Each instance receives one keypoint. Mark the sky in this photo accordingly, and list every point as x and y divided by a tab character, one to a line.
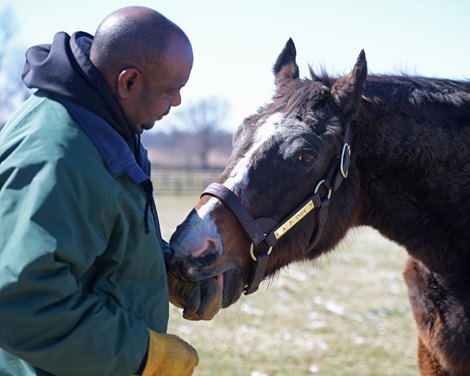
236	43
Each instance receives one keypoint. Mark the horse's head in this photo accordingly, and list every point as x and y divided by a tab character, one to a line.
271	205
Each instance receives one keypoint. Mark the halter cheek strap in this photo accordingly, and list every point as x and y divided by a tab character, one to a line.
261	230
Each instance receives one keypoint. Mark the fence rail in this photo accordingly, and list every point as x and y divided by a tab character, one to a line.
182	181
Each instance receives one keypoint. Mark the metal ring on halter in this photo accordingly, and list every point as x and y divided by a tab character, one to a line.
252	253
346	147
318	187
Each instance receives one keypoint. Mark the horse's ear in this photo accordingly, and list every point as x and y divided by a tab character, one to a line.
285	68
347	91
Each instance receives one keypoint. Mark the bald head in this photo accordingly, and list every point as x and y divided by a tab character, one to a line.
146	60
132	36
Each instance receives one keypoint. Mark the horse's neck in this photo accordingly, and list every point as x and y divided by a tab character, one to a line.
415	179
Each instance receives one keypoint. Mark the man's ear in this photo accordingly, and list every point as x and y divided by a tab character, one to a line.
127	81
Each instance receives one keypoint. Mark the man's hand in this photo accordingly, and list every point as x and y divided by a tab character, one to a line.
169	355
200	300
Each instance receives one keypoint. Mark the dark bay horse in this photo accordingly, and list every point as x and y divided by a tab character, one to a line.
327	154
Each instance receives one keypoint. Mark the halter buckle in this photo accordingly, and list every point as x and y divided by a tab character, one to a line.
345	160
319	184
252	253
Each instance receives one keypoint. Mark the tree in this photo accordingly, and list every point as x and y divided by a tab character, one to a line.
12	90
204	120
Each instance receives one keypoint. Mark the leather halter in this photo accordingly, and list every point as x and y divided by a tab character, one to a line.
267	231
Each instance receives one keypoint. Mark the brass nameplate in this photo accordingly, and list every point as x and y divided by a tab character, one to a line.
287	225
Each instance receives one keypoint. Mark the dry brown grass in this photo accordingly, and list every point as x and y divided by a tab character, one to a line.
346	315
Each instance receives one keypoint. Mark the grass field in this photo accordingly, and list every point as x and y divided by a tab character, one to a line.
346	315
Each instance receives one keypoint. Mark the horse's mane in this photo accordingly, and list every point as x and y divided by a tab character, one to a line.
406	90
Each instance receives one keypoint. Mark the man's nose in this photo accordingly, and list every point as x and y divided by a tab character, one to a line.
176	100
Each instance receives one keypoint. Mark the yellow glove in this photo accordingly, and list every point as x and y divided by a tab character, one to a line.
169	355
200	300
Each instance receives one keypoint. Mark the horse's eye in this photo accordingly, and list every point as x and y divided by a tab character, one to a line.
306	158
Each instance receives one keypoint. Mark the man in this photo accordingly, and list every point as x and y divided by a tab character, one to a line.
83	284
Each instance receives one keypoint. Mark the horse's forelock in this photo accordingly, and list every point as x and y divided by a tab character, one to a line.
323	77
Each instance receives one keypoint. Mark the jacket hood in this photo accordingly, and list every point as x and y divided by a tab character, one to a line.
64	69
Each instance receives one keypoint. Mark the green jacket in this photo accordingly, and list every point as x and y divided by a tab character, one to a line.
80	278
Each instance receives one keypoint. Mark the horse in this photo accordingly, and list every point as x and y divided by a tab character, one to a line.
328	154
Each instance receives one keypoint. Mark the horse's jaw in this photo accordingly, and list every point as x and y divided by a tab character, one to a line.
229	278
198	253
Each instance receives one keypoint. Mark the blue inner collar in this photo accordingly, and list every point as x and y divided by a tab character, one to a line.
116	152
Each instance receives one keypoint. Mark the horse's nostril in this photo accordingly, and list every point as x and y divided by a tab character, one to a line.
207	246
212	245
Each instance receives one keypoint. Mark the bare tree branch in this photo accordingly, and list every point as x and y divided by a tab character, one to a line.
12	90
204	119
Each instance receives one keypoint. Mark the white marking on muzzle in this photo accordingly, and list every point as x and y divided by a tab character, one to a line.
194	234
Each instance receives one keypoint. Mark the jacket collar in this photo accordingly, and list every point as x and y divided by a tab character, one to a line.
115	151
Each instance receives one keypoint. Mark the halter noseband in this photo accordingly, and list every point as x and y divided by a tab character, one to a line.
268	231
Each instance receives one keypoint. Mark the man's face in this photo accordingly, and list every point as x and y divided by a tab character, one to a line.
159	87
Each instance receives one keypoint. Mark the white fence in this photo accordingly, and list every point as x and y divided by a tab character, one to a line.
182	181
